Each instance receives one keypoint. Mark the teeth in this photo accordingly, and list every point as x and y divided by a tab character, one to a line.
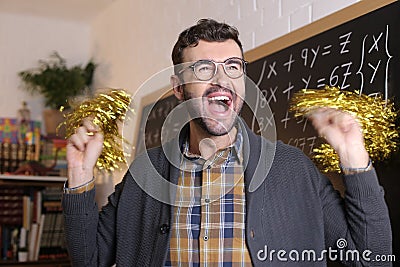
219	98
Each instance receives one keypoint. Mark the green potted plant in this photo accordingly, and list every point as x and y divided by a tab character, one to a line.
58	84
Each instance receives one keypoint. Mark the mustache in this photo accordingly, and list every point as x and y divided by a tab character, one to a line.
218	88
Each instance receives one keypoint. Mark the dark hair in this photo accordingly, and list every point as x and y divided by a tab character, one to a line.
206	30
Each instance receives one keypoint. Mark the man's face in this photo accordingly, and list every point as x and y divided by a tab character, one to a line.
216	103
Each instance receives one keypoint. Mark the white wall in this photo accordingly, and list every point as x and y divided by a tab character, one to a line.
26	39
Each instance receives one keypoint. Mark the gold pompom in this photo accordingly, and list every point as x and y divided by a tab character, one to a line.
107	110
376	116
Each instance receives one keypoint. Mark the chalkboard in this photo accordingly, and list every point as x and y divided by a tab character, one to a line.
153	114
362	54
355	49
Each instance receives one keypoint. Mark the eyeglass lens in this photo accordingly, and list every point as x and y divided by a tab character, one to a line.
206	69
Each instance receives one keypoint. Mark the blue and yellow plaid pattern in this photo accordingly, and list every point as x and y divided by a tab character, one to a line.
209	217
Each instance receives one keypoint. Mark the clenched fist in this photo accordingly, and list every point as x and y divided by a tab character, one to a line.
83	149
342	131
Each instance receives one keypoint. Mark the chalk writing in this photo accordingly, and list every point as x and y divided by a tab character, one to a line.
303	143
327	50
265	122
305	56
272	69
289	63
344	44
366	58
352	57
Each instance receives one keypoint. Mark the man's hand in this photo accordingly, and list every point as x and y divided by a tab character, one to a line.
83	149
342	131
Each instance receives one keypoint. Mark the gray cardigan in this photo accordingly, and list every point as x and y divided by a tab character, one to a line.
293	208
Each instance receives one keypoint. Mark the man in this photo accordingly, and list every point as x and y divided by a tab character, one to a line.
213	219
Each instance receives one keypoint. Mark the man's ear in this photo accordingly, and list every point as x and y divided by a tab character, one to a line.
177	86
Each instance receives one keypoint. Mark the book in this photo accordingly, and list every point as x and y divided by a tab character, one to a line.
22	238
27	213
39	237
5	240
5	157
54	154
31	220
13	160
9	241
18	143
32	241
53	237
37	205
11	205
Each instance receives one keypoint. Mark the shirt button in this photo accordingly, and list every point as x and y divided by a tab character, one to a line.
164	229
205	238
207	200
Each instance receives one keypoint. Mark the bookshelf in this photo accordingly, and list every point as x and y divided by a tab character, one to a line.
32	203
26	180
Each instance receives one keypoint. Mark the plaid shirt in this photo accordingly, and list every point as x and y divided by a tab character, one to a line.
209	217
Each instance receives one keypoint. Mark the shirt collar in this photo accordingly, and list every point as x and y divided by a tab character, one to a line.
235	149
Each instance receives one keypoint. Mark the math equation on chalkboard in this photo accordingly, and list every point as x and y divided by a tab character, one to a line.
360	55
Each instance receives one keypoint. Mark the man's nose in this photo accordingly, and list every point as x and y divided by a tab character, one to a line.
221	77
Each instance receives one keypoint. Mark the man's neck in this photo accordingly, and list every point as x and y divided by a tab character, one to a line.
205	144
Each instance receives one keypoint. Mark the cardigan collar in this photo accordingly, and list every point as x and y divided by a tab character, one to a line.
258	155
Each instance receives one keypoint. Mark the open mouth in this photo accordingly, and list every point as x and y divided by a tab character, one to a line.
219	102
222	100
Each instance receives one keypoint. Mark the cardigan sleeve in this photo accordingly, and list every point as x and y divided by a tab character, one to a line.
90	234
359	224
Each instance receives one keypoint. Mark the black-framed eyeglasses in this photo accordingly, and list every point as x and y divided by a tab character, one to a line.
206	69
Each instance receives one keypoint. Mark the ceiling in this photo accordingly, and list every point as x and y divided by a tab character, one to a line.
78	10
